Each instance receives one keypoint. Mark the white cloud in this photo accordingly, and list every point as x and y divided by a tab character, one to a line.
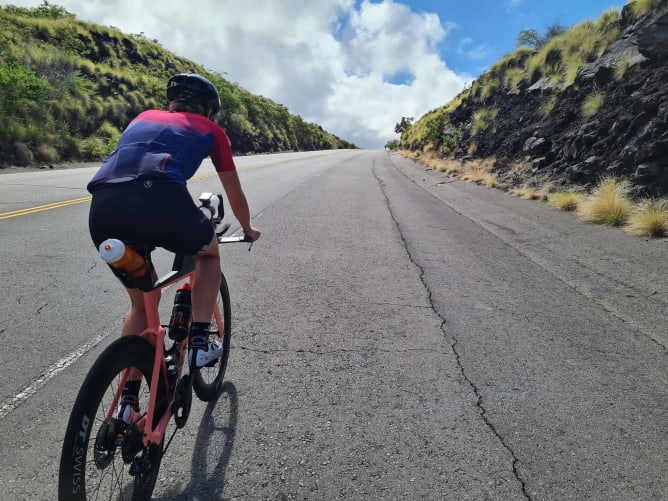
330	61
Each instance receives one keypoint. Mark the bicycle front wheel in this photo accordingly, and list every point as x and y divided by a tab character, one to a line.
102	457
207	380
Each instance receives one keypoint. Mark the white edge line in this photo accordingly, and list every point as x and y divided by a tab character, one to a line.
12	403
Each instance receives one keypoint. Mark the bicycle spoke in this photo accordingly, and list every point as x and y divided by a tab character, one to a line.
107	447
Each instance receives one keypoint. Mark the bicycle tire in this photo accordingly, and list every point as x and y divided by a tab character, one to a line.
207	380
89	470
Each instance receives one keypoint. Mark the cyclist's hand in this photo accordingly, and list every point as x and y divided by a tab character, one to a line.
252	235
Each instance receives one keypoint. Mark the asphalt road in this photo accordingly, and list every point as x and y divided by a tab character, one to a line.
397	335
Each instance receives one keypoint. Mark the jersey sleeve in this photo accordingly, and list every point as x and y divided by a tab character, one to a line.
221	151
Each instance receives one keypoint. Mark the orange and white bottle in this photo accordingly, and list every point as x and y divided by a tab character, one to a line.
123	257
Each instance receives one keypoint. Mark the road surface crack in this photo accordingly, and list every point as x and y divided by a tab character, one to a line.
331	352
453	344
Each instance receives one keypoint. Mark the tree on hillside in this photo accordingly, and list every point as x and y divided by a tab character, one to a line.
530	38
534	40
405	124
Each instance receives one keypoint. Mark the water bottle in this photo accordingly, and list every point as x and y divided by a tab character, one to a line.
180	321
123	257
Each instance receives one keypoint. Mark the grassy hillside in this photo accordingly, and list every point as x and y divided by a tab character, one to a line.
68	87
557	61
583	112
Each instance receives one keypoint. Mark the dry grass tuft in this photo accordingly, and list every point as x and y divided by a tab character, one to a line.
450	167
480	172
565	200
609	203
528	193
411	155
442	164
649	218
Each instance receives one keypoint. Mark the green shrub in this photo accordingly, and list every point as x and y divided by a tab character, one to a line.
19	84
481	119
489	88
46	153
94	148
451	140
548	106
513	77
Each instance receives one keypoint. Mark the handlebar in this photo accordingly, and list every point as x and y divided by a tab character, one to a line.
212	207
232	240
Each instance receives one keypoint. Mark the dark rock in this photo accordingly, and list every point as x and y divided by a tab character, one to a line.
653	40
623	51
651	170
544	84
536	146
539	163
651	178
579	173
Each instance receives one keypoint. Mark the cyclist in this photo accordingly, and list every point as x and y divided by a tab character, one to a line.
139	193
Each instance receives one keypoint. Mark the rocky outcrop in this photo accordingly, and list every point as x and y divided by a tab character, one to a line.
626	137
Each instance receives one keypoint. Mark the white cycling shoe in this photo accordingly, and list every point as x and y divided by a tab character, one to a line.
199	357
128	412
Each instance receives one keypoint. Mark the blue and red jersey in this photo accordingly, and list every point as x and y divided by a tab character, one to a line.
167	145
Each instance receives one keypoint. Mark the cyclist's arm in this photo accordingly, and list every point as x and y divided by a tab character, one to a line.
238	203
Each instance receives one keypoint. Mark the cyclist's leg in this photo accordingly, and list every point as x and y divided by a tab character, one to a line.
135	319
135	322
207	282
203	350
207	380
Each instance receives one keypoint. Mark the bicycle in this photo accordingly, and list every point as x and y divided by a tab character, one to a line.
96	468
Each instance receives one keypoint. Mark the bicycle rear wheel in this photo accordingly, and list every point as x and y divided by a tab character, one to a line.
207	380
104	458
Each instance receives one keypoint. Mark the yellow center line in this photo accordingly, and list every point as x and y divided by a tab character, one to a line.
65	203
42	208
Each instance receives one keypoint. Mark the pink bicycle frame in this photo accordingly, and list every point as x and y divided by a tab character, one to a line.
155	334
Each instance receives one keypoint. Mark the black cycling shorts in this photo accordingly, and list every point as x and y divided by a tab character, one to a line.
158	213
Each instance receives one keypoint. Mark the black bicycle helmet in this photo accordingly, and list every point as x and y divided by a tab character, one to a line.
190	87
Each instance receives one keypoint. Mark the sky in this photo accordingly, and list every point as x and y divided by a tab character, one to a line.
355	67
